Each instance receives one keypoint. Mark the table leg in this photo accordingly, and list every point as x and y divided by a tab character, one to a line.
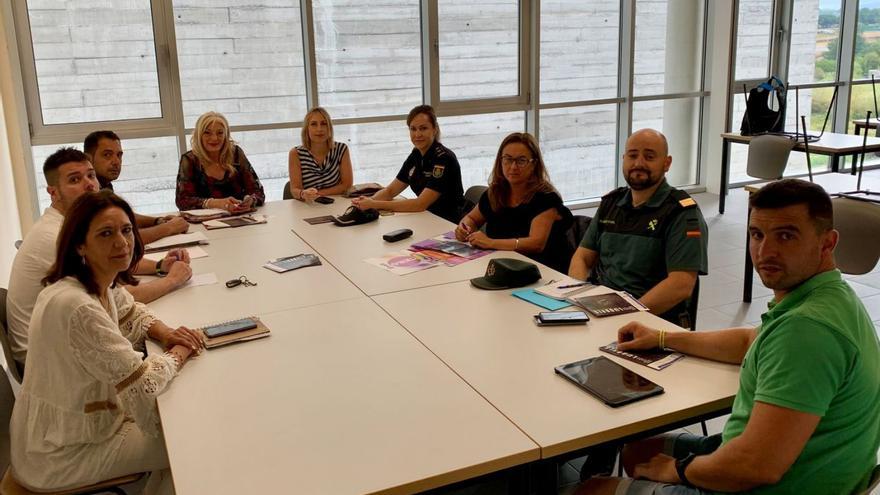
835	163
749	269
725	173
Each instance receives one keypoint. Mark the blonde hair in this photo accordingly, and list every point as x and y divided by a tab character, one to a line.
227	151
539	181
306	140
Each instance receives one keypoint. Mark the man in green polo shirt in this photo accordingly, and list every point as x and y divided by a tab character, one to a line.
648	239
806	418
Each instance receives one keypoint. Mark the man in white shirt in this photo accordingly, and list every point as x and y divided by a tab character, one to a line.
69	175
104	149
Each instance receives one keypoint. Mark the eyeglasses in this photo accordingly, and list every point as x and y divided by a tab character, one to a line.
520	162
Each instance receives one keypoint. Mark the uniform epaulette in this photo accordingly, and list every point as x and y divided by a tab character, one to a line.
683	198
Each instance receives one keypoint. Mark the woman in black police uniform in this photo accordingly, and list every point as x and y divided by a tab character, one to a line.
431	170
521	210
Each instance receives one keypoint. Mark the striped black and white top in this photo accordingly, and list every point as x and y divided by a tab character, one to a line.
321	176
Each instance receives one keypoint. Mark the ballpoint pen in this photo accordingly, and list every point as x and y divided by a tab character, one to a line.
572	286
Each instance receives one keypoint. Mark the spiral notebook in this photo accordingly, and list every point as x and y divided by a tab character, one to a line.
258	332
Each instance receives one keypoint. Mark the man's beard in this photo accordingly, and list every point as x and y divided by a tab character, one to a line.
641	184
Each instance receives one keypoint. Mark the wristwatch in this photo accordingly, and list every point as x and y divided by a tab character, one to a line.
681	466
159	271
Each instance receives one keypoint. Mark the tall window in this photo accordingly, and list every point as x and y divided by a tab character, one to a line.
479	62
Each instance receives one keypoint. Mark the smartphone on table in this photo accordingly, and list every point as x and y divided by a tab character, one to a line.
551	318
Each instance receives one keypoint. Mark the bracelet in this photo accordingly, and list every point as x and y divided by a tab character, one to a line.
662	344
516	246
205	203
301	193
159	271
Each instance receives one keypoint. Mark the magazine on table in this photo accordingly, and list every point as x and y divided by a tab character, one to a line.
608	304
657	359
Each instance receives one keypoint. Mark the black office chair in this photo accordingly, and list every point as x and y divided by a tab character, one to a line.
579	226
286	194
472	198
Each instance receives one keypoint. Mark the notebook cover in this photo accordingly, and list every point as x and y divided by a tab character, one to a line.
657	359
240	221
319	220
609	304
259	332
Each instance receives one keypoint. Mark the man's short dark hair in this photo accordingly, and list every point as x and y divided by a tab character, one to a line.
790	192
59	158
90	145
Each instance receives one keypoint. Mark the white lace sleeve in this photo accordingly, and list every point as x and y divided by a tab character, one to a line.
134	318
109	357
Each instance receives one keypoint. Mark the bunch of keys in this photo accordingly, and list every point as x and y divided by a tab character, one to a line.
242	280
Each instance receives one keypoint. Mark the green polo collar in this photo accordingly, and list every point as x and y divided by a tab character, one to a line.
656	200
795	297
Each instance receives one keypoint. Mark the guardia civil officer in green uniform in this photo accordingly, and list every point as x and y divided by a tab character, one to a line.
648	239
431	171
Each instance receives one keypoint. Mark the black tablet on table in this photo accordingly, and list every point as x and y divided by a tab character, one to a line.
608	381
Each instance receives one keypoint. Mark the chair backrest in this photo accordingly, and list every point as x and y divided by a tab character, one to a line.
473	193
693	305
768	156
13	365
859	225
875	481
579	226
286	194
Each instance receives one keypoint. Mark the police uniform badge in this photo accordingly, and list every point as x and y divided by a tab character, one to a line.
438	171
686	202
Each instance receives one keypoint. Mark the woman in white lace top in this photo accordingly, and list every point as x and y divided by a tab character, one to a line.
87	407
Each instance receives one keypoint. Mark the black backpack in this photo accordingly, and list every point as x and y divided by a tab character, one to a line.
759	117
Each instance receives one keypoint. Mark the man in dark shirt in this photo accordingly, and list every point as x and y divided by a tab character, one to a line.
104	149
649	238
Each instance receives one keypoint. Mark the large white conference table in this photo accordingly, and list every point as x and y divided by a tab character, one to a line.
490	340
340	399
374	382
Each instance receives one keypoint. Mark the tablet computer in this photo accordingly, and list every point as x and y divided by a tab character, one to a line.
608	381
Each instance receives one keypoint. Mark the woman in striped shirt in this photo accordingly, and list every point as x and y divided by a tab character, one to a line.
321	166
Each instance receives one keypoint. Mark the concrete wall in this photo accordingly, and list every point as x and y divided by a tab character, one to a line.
245	60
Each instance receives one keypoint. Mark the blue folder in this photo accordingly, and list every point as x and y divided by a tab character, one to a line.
540	300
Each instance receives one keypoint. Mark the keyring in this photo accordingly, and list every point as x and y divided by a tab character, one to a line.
242	280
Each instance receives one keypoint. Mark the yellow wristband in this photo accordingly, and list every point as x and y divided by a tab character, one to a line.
662	339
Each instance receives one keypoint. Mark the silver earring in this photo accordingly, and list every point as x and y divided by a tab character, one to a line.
83	258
